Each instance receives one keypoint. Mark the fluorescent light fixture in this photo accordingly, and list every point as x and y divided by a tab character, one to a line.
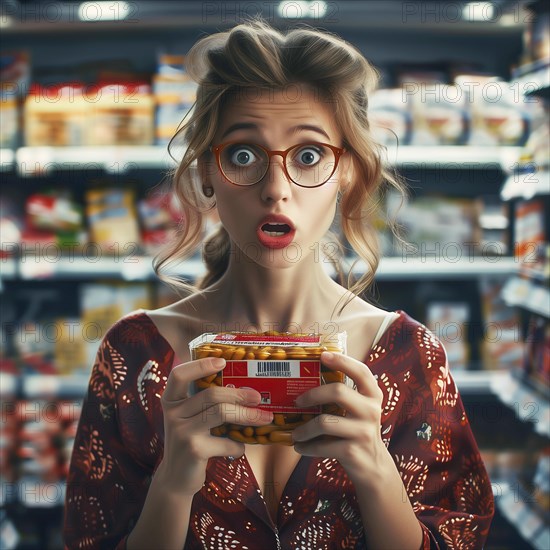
478	11
510	20
302	9
103	11
6	21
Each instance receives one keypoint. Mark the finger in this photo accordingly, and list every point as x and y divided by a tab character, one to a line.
212	445
332	425
226	447
359	372
354	403
327	448
213	395
182	375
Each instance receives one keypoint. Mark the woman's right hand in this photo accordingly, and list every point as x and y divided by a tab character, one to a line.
188	419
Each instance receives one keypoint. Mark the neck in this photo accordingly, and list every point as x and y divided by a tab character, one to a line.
296	297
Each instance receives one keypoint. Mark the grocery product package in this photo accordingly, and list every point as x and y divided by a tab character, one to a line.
280	366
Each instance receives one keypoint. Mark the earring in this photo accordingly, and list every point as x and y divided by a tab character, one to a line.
208	191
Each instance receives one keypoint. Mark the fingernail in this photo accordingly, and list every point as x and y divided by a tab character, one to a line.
327	356
267	416
250	396
218	362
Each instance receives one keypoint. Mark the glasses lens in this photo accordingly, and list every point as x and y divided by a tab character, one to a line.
243	163
310	165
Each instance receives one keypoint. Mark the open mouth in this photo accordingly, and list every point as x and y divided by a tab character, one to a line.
276	229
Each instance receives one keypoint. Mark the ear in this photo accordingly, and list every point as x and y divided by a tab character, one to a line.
206	165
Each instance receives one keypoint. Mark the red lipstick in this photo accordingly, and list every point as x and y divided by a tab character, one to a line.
275	231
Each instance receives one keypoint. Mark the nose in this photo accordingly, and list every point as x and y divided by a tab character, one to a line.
275	185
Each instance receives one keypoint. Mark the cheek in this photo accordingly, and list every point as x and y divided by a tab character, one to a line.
232	209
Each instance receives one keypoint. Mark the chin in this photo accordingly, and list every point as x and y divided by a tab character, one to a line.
272	258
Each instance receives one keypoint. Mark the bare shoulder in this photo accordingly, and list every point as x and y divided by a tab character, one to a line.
182	321
362	322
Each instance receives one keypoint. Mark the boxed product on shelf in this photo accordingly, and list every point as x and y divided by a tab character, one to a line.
440	115
56	115
537	146
102	305
502	344
536	365
529	229
174	93
494	224
44	430
8	435
15	71
53	217
54	210
14	84
112	220
11	225
449	322
542	479
537	32
34	345
498	117
69	348
409	75
159	216
438	228
9	114
123	114
390	116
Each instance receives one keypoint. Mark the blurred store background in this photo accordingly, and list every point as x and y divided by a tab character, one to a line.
91	92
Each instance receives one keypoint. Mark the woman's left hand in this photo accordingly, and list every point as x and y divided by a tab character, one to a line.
354	440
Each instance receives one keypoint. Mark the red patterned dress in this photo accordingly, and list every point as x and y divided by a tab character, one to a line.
120	442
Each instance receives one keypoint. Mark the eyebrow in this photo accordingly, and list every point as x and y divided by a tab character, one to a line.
293	130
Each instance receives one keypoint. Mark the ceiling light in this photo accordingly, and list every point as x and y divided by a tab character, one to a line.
478	11
103	11
302	9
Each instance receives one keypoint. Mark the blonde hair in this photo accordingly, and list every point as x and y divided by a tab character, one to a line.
255	55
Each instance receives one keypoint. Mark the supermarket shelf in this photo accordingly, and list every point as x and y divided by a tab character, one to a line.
478	382
517	506
139	268
526	186
46	385
403	268
453	157
8	268
7	157
533	79
8	384
529	406
32	493
528	295
35	161
43	385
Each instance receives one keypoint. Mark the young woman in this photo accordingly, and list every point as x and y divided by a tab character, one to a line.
279	142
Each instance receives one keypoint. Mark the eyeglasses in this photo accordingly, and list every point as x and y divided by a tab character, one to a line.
309	164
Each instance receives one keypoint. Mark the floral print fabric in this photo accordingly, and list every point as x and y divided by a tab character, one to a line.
119	443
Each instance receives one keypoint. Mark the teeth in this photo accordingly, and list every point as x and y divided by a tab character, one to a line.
274	233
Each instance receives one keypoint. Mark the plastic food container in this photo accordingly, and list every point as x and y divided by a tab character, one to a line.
280	366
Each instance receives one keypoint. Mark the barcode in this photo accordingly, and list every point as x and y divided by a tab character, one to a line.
274	368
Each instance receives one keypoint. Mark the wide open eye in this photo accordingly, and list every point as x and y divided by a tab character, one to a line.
308	155
242	156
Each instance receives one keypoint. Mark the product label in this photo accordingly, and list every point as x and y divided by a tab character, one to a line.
263	340
278	382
